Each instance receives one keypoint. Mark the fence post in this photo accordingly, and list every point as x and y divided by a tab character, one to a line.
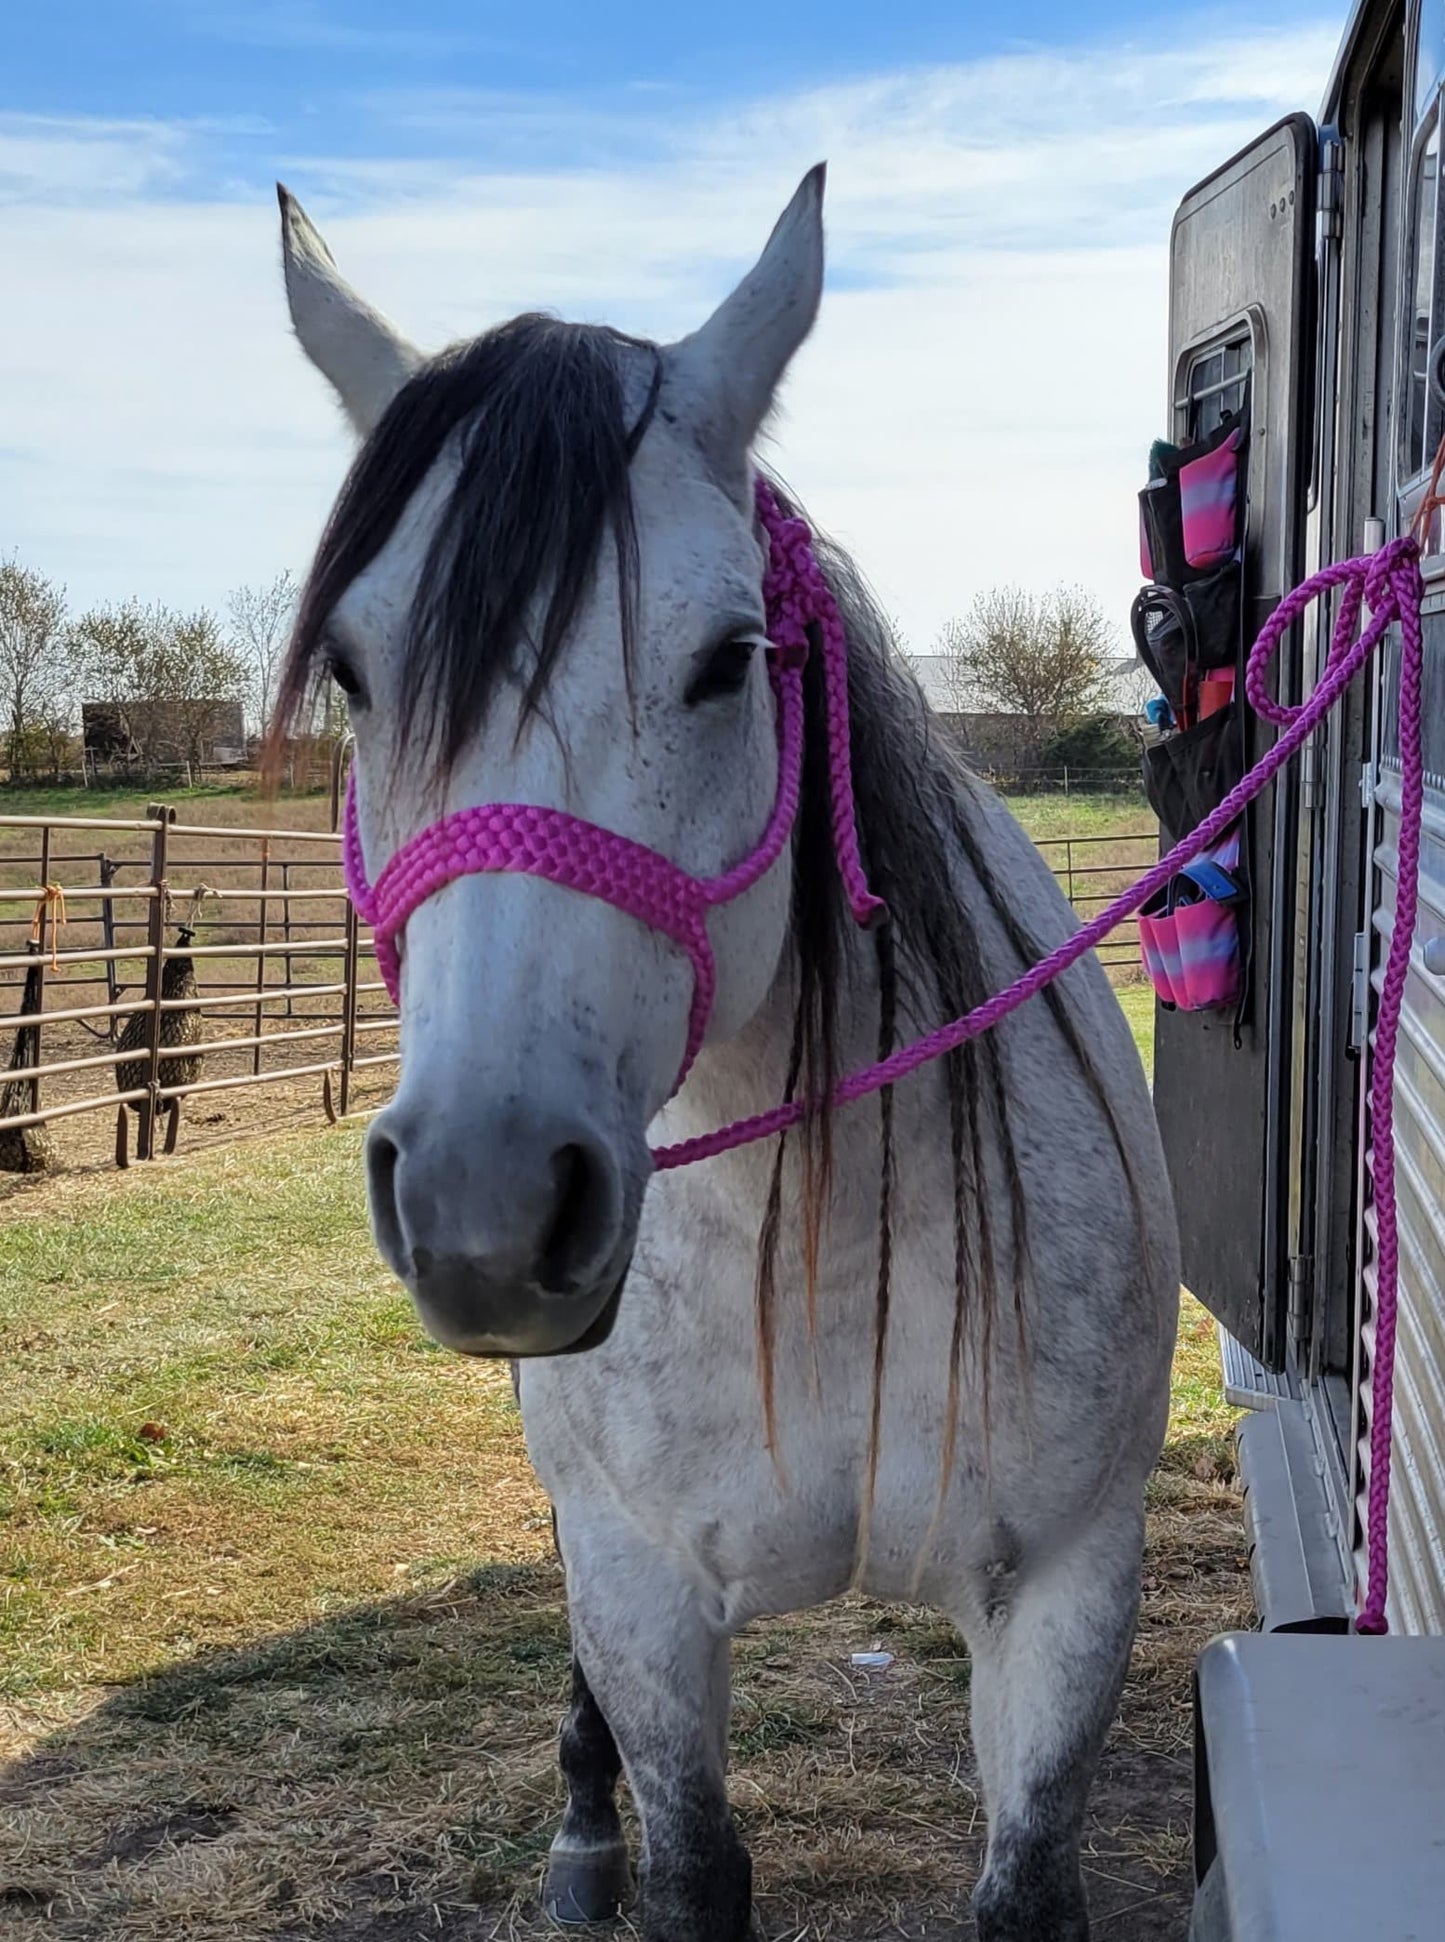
261	954
286	933
145	1134
108	869
47	923
348	1003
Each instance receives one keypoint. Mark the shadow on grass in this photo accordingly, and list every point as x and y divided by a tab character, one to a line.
386	1771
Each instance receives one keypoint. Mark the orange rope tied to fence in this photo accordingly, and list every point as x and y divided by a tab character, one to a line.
49	917
1433	501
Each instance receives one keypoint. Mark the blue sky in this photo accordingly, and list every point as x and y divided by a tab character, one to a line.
999	210
298	66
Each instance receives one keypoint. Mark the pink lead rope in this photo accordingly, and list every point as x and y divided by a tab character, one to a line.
582	856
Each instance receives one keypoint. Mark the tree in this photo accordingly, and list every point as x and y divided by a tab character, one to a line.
34	665
202	668
160	674
1041	657
261	619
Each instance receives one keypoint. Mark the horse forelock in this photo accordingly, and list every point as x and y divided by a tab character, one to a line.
539	421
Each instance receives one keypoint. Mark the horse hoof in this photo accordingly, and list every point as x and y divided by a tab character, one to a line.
586	1885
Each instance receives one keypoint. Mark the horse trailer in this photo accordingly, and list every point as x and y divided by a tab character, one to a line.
1307	311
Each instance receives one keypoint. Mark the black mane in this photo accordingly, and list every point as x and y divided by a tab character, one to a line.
536	413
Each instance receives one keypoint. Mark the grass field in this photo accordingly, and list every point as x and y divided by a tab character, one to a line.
241	801
282	1640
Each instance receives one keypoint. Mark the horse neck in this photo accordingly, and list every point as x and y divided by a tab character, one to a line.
749	1073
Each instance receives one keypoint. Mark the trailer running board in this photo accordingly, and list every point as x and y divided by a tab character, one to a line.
1296	1560
1247	1383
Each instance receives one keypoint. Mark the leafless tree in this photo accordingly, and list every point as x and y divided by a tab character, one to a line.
34	666
1041	657
261	619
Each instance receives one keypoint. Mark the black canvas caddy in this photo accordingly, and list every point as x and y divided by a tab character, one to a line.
1187	625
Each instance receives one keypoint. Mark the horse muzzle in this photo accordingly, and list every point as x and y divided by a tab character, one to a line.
513	1233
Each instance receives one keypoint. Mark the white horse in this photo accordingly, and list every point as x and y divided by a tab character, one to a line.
920	1345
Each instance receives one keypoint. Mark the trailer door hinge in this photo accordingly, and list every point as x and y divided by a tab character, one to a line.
1309	774
1301	1302
1330	190
1360	993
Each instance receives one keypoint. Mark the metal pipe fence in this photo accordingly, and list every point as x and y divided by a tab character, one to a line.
94	978
280	961
1092	879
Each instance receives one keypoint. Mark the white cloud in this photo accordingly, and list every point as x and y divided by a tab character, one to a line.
975	406
54	159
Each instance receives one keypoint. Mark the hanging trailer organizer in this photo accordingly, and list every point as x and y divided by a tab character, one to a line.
1188	627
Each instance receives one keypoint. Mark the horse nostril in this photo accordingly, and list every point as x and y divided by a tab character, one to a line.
583	1217
382	1156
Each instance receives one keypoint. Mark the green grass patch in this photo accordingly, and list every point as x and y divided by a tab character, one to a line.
1104	814
1136	1000
219	1418
127	803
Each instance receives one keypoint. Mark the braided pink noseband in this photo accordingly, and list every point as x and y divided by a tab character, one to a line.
520	837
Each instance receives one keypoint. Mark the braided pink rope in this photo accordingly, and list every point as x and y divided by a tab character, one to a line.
795	594
1390	582
548	843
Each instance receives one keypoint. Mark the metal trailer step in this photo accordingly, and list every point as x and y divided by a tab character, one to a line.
1247	1384
1295	1560
1320	1790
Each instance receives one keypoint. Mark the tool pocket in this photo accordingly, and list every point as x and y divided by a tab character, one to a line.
1190	936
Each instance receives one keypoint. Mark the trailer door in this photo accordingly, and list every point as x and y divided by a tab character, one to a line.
1241	333
1417	1498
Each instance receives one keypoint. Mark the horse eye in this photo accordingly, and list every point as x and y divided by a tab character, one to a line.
345	677
724	672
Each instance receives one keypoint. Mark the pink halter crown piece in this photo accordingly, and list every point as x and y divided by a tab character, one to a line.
549	843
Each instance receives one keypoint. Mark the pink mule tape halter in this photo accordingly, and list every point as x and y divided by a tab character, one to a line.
646	885
500	836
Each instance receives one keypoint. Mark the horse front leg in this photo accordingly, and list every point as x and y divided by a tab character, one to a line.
1050	1646
658	1665
588	1879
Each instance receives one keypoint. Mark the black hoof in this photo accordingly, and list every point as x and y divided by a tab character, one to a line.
587	1884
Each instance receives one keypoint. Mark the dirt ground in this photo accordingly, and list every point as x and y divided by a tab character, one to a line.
408	1748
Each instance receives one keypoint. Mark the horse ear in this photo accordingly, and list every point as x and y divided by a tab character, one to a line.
352	345
731	368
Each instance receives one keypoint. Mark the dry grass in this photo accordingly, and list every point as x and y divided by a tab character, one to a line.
283	1646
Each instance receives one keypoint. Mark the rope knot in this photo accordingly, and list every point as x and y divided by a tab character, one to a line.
48	920
1392	575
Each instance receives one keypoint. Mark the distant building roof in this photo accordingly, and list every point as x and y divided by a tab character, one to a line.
934	672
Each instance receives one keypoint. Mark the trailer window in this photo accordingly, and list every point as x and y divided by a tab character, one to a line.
1218	385
1429	52
1423	415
